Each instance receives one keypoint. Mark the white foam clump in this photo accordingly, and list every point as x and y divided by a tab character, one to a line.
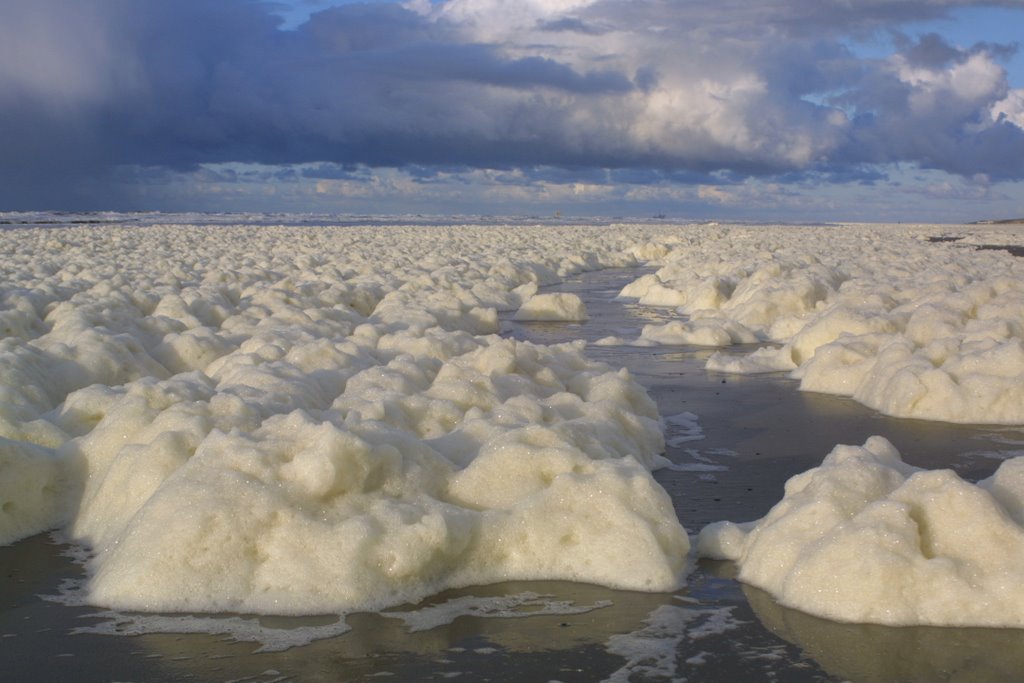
420	480
877	313
553	306
698	332
31	489
865	537
316	420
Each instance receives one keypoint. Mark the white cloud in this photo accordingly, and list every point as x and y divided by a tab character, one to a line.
500	19
1011	108
976	81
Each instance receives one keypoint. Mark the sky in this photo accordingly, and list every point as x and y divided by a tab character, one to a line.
765	110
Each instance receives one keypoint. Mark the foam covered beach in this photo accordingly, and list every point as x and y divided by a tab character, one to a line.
297	420
320	419
903	320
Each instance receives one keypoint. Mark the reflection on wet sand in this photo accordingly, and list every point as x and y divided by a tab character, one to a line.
387	643
867	653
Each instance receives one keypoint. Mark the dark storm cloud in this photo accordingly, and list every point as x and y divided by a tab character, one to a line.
573	25
331	172
481	64
929	51
651	87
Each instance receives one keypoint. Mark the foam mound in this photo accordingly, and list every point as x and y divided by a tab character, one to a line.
269	419
867	538
906	326
554	306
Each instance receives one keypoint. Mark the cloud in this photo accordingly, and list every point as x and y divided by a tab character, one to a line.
939	111
592	87
1010	109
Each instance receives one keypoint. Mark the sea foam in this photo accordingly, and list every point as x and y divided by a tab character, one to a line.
866	538
908	327
317	420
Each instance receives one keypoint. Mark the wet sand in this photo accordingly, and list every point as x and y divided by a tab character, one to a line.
755	432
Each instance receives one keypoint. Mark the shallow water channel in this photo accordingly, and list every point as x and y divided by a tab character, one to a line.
733	441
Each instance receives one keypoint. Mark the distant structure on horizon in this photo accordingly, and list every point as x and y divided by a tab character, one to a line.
1004	221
